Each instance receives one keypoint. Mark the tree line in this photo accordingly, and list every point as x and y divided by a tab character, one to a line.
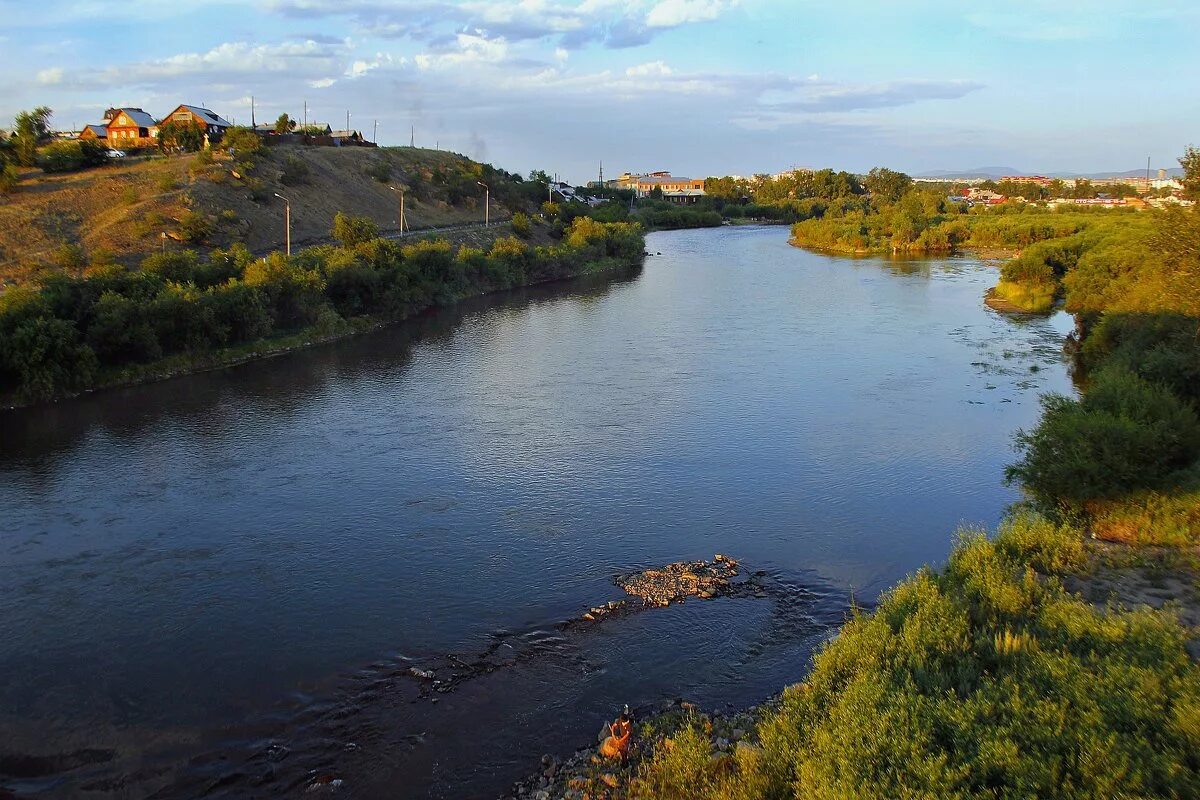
70	333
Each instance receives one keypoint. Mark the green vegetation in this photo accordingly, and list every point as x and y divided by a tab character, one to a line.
983	679
71	155
180	137
71	333
31	130
988	678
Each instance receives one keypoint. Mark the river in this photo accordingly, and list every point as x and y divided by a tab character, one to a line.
219	583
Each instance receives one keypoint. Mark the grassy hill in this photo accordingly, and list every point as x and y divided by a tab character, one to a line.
121	211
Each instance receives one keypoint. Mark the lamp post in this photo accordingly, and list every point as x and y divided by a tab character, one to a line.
287	221
401	193
487	203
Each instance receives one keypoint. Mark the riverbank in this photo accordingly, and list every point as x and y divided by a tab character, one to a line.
178	315
1052	661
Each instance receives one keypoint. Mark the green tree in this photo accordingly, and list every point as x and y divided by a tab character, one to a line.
886	185
32	128
1190	161
284	124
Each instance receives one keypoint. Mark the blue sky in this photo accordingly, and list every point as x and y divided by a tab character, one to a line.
694	86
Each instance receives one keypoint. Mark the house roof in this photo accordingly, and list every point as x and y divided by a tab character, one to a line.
344	134
210	117
139	117
661	179
100	130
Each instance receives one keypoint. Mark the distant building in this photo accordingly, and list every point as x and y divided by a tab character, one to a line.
976	196
1037	180
346	137
667	183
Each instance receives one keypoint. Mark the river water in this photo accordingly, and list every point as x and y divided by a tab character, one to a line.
218	584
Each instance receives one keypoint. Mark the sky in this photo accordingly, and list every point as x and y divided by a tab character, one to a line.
697	87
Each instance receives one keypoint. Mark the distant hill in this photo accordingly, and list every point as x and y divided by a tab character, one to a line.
999	172
977	172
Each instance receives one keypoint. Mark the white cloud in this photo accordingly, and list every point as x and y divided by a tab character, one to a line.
50	77
322	83
650	68
469	48
673	13
361	67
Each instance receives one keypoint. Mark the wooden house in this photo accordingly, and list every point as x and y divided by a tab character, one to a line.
94	132
213	125
130	127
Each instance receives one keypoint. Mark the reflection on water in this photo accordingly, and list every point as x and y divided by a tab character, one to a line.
216	583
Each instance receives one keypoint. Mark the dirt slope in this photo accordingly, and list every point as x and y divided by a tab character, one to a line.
125	208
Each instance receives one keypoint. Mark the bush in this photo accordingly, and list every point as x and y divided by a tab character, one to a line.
54	337
243	143
979	680
295	170
9	178
71	155
1126	434
43	358
350	230
70	258
195	227
381	171
521	225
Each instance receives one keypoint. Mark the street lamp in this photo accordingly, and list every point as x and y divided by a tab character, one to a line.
401	193
287	221
487	203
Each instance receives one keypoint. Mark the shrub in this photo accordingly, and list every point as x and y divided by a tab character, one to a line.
130	195
680	768
195	227
177	267
62	157
1125	434
521	225
381	171
295	170
9	178
350	230
979	680
70	258
166	182
243	143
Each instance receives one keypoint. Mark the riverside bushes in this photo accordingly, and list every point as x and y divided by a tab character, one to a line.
982	679
69	333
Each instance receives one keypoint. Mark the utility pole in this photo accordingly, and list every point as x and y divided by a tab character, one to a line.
306	118
375	135
487	203
401	193
252	123
287	221
347	122
412	136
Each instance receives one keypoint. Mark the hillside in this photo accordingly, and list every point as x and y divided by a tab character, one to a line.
121	211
